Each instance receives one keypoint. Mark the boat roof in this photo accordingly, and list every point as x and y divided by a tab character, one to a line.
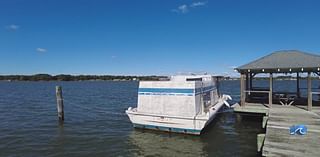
191	78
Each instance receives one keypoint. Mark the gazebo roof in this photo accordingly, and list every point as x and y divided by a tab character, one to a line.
284	61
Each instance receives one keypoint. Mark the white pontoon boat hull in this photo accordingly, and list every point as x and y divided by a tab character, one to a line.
178	124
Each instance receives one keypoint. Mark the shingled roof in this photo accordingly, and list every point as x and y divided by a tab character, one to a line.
283	61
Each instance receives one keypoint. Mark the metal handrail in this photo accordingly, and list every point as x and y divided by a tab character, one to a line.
315	92
252	91
307	88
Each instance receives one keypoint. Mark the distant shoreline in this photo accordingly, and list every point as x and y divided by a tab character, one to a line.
63	77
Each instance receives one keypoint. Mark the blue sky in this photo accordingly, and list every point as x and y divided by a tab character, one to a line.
144	37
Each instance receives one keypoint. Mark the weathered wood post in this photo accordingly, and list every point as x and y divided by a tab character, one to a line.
309	92
270	89
247	85
60	103
251	77
247	81
298	85
242	90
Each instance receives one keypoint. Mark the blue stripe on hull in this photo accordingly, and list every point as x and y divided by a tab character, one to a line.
174	91
166	90
171	94
168	129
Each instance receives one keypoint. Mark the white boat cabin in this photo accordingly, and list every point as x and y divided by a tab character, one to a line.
185	96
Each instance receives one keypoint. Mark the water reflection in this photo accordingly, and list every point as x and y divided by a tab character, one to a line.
228	135
96	125
153	143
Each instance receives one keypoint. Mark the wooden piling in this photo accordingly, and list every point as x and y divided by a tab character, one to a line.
59	103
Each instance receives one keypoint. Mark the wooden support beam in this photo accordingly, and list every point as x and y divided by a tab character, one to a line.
251	77
298	85
309	92
247	81
242	90
256	91
270	89
247	85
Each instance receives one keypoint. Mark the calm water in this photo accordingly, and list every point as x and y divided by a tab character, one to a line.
95	124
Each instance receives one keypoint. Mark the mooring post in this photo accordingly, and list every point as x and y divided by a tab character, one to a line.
60	103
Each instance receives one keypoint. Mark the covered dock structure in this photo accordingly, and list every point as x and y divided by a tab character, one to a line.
282	110
279	62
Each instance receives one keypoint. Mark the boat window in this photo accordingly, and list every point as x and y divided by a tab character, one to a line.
206	99
194	79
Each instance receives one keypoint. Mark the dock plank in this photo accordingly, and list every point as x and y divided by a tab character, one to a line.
252	108
279	142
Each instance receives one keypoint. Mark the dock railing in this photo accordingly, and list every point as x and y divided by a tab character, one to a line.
315	93
262	92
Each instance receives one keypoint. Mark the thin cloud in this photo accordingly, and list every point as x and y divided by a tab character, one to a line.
41	50
226	73
12	27
198	4
182	9
232	67
113	57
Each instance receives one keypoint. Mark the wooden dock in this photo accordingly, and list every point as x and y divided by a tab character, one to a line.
278	141
252	108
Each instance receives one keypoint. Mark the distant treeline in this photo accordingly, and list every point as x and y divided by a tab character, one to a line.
47	77
274	77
